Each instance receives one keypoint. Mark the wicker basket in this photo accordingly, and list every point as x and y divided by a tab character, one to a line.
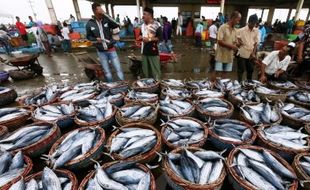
59	173
148	101
164	94
303	84
281	88
205	115
17	122
7	96
21	74
291	121
92	154
3	130
272	97
243	118
150	119
21	100
302	104
150	89
177	183
26	172
189	113
103	123
123	87
89	176
229	145
44	144
236	102
238	182
201	143
287	153
140	158
301	174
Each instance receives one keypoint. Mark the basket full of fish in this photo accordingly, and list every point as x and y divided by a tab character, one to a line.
32	140
286	86
284	140
136	113
115	87
294	115
141	97
174	108
60	113
301	98
172	83
13	168
184	131
49	179
199	84
303	84
253	167
225	134
119	175
96	113
3	130
76	149
138	142
207	93
226	85
194	168
270	95
149	85
14	117
76	95
7	95
115	99
176	94
243	96
301	165
214	108
262	113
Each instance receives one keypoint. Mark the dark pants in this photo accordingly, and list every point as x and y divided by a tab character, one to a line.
6	44
66	45
25	37
303	67
282	77
245	64
198	40
213	41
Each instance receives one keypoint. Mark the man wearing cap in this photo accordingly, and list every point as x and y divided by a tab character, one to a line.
151	34
274	66
248	38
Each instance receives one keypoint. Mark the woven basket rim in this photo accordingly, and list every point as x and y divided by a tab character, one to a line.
212	114
300	84
298	167
21	117
282	88
135	87
192	109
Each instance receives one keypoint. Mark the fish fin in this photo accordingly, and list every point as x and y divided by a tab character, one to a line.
97	164
222	152
109	155
163	122
152	167
160	156
299	130
114	128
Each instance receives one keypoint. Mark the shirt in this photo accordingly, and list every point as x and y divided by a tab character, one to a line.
21	28
273	63
199	28
228	35
249	38
167	31
151	30
65	33
306	40
213	31
180	20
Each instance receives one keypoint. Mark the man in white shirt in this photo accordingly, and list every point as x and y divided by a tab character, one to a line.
180	24
213	33
66	43
274	66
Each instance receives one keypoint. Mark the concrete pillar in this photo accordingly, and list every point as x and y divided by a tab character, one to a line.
308	16
138	10
270	15
146	3
77	10
51	11
112	11
222	6
289	14
106	5
298	8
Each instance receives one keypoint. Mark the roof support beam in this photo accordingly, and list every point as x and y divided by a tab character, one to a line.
77	10
298	8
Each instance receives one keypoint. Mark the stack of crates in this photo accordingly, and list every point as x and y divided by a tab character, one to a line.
79	27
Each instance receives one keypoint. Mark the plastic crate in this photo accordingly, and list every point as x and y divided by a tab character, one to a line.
80	30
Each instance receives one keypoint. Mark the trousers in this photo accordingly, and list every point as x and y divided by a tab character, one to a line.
151	66
110	56
245	64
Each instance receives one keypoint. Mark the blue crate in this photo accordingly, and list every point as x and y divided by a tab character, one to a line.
80	30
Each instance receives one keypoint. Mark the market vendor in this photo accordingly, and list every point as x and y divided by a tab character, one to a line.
274	66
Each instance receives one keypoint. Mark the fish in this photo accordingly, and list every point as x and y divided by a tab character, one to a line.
53	112
7	114
299	96
213	105
78	95
200	84
174	107
246	96
145	82
265	90
173	83
304	162
295	111
110	96
179	94
86	86
47	95
141	96
196	168
137	112
207	93
133	142
115	87
261	113
284	84
227	84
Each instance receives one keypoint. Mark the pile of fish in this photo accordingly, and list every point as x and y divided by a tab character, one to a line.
49	180
116	87
265	90
206	93
182	132
53	112
133	141
262	170
24	137
300	96
200	167
11	166
141	96
305	164
137	112
261	113
110	96
285	136
78	94
200	84
246	96
296	112
120	176
227	84
252	83
216	105
177	93
73	147
47	95
86	86
173	83
174	107
231	130
286	84
7	114
146	82
98	110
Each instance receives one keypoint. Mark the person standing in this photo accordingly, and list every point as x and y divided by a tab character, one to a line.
66	43
100	31
213	33
290	25
44	40
167	32
227	45
198	34
180	24
22	29
221	18
117	19
71	19
248	36
151	35
31	22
